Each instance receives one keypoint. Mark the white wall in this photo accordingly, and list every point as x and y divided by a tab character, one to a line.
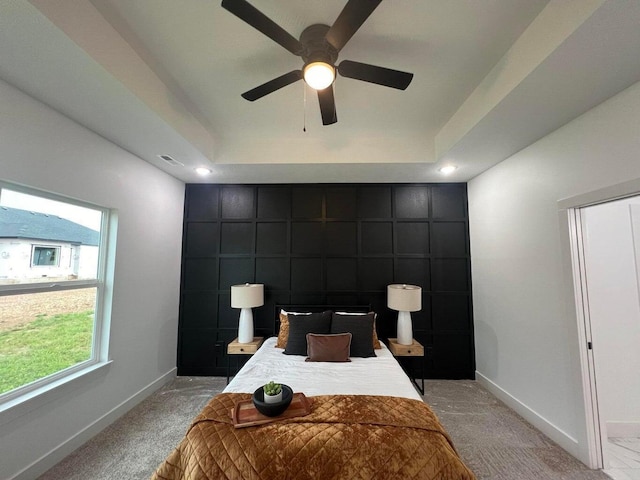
614	310
524	312
43	149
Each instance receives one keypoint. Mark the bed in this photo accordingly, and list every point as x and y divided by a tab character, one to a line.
367	421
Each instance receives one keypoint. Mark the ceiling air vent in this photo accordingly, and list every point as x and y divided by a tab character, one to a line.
171	161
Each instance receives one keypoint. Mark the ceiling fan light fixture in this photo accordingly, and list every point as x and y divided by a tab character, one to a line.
319	75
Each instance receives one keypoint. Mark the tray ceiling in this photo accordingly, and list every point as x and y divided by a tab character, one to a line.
164	77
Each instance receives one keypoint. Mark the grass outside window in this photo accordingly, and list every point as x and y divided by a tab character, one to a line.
44	333
44	346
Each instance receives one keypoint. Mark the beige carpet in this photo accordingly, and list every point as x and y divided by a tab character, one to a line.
492	440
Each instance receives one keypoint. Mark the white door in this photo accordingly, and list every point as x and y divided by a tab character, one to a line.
611	256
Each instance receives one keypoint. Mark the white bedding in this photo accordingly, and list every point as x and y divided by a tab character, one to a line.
380	375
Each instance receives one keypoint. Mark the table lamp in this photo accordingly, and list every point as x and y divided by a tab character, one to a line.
246	297
405	299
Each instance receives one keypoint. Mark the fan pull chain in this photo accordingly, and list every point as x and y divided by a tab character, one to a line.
304	107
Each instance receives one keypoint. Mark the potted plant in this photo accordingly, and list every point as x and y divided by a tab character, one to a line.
272	392
272	399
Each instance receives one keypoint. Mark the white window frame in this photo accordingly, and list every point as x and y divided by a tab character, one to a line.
26	394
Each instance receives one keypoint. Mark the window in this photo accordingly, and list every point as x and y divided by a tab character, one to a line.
45	256
52	257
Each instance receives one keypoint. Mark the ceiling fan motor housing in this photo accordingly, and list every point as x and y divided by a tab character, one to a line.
315	46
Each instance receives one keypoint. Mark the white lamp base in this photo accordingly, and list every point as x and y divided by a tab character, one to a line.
405	333
245	328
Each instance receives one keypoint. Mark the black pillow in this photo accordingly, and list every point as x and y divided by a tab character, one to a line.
300	325
361	329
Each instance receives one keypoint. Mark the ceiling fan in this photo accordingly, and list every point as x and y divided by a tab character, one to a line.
319	46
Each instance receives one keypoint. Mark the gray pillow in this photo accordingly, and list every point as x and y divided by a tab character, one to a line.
300	325
361	329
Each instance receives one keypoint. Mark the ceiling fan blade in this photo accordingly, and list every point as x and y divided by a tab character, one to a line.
353	15
272	85
327	106
373	74
258	20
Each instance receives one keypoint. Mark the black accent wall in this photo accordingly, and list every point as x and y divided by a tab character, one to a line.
326	244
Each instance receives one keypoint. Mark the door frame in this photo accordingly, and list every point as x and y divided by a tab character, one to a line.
594	430
569	210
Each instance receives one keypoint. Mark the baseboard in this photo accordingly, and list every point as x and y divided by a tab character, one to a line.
562	438
623	429
57	454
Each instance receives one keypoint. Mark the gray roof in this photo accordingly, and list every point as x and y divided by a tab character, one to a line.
16	223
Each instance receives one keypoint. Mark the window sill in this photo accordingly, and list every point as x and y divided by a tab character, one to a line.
19	406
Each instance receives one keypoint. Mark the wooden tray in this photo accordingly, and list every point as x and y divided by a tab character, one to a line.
245	414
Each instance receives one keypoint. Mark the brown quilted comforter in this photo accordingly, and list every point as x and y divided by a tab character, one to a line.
347	437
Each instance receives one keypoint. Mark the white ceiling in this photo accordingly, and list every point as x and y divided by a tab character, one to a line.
165	77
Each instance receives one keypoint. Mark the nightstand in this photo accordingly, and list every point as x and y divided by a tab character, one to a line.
414	350
235	348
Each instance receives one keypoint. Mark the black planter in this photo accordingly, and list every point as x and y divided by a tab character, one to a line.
272	409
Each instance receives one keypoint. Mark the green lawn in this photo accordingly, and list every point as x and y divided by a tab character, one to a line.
44	346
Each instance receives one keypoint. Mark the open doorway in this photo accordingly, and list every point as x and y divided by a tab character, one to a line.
607	243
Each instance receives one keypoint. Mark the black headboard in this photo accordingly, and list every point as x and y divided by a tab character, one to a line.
316	308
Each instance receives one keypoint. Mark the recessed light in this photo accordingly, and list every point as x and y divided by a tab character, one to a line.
447	169
202	170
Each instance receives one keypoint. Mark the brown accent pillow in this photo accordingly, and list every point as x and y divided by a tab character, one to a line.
328	348
283	333
376	341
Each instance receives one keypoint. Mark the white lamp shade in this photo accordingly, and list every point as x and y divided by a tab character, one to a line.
404	298
248	295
